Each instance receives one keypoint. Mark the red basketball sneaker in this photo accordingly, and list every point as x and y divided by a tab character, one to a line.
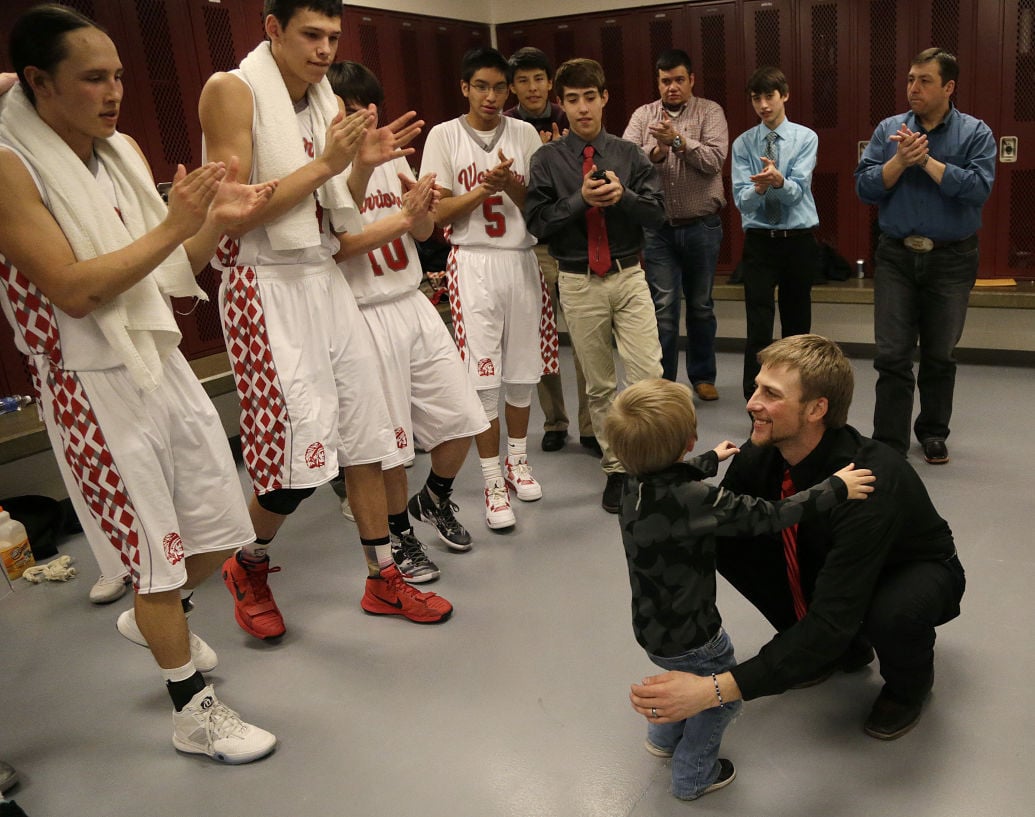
389	595
254	608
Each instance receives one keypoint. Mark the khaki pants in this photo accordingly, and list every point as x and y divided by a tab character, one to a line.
597	310
551	390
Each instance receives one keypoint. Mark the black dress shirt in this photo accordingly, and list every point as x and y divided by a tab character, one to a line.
841	552
556	212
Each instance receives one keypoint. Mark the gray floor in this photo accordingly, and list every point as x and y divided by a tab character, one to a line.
518	705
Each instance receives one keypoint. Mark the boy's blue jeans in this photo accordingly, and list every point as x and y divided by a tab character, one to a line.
694	742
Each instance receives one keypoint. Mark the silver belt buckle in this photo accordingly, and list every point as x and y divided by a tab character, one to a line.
918	243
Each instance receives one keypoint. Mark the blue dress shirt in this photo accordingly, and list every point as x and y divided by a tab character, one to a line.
917	205
796	159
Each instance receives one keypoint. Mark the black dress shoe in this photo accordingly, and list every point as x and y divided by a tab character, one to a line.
858	655
554	440
890	719
592	444
612	499
935	452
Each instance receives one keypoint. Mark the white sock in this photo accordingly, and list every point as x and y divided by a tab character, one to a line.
491	470
180	673
516	447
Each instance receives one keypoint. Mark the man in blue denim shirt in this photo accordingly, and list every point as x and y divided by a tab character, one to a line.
930	171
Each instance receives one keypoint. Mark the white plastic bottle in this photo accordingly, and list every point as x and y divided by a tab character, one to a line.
14	546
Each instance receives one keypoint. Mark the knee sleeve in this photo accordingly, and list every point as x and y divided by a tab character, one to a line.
518	395
490	402
285	500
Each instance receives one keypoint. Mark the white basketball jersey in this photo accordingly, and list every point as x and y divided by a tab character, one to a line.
461	157
394	269
254	248
40	328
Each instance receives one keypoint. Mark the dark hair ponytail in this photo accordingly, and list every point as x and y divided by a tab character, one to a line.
38	39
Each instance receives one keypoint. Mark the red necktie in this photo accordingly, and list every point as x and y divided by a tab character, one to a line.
596	228
790	551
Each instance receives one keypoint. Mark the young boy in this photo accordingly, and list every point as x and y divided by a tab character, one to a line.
669	521
531	81
429	394
501	317
772	188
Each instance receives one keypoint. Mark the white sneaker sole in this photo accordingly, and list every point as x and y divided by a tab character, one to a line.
222	757
499	524
525	493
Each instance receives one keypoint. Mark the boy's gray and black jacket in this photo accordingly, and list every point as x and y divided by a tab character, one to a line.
669	521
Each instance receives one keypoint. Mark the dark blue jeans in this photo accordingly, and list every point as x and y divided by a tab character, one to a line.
918	297
681	261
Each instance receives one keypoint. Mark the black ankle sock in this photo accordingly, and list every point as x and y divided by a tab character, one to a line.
182	691
440	487
186	603
399	523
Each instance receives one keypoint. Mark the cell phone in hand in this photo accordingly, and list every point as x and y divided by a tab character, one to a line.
599	175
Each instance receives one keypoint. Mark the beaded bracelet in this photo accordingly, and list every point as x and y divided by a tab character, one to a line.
718	694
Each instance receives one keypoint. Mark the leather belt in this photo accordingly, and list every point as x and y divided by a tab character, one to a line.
687	222
922	244
778	233
617	265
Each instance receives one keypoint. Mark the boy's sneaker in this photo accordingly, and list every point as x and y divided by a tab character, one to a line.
498	513
389	595
204	657
254	608
412	560
440	514
726	775
519	477
346	509
207	726
657	751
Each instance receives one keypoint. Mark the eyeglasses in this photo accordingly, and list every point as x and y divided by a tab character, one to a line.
484	87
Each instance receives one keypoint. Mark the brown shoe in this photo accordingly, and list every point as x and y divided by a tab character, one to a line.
707	391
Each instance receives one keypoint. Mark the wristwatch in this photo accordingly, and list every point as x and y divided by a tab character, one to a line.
677	143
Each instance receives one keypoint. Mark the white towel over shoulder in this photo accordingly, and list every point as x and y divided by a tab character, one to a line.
138	323
278	150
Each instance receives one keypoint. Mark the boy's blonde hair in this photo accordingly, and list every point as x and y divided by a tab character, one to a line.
651	424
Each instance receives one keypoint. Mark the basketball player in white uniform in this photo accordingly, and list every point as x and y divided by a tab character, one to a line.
429	394
88	255
301	352
496	291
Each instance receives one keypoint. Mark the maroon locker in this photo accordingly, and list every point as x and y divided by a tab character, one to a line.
1008	229
824	68
715	52
769	39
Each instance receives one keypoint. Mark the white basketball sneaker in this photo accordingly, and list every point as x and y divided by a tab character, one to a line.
207	726
519	477
204	657
498	513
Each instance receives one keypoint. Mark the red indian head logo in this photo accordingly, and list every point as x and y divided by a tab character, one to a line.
315	456
485	367
400	437
173	545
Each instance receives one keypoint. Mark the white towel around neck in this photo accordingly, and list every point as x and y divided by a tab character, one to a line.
278	150
138	323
